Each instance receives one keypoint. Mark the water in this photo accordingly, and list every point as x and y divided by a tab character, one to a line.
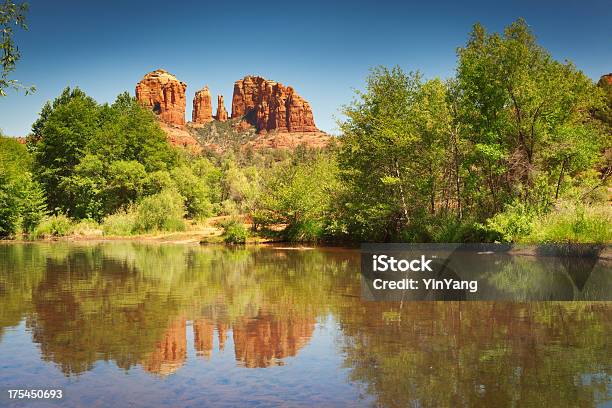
129	324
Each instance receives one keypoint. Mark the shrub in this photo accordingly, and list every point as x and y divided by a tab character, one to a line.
86	227
120	224
228	207
573	224
234	232
53	226
446	228
305	231
510	225
160	212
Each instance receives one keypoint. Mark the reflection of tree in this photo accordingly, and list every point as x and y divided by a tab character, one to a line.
131	304
128	303
480	354
15	285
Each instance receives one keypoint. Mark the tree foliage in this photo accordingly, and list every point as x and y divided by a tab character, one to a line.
12	15
22	203
515	128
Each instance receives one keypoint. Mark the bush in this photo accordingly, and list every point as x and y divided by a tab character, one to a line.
160	212
305	231
234	232
510	225
53	226
86	228
120	224
22	202
573	224
446	228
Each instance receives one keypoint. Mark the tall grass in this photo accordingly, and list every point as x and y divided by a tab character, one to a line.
159	212
53	226
573	224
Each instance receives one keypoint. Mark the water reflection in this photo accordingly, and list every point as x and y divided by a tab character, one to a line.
146	306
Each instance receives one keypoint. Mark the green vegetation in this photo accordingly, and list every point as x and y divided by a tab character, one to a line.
234	232
514	148
573	224
22	203
11	15
53	226
492	149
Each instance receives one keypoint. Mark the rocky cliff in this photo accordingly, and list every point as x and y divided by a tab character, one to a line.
271	106
221	111
161	92
265	115
606	79
202	107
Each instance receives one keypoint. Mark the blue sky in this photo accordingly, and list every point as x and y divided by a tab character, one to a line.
323	49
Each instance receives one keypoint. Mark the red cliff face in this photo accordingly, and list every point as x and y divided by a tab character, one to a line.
161	92
221	111
606	79
271	106
202	107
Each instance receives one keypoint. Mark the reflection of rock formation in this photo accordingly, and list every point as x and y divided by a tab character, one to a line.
171	352
261	341
203	333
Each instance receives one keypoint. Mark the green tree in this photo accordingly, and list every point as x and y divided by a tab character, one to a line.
299	195
11	15
526	115
22	203
95	159
65	127
194	190
392	148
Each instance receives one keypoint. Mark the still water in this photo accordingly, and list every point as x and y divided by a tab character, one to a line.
130	324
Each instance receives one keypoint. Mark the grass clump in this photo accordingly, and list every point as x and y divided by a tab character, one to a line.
573	224
121	223
234	232
159	212
53	226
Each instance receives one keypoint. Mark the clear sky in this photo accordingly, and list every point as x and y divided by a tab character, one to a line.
323	49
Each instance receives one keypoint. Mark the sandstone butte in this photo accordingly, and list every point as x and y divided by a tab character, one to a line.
221	111
270	105
202	107
606	79
161	92
283	119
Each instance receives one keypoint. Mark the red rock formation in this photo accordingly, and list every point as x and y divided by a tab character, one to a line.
271	106
221	111
161	92
606	79
181	137
202	107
